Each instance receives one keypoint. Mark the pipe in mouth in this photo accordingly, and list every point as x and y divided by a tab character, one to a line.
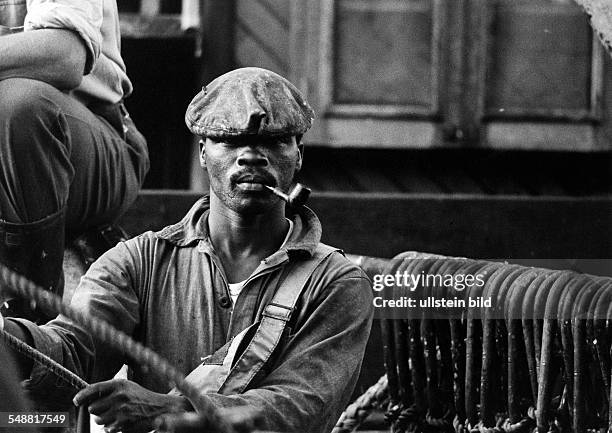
297	196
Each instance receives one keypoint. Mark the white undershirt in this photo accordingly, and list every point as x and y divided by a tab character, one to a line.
236	288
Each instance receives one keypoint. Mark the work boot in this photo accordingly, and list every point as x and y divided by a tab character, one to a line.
34	250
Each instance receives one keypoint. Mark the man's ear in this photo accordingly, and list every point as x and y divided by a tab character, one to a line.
202	153
298	165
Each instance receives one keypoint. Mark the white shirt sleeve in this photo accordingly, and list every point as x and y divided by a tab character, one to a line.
81	16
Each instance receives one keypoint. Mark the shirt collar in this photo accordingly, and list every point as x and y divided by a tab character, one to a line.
193	228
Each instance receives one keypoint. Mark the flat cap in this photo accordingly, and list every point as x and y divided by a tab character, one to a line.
249	101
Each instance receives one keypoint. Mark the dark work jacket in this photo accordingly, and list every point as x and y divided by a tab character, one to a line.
168	290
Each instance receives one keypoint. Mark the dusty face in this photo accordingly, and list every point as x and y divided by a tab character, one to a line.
239	167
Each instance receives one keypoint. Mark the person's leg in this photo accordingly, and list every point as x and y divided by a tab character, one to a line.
35	173
60	166
109	169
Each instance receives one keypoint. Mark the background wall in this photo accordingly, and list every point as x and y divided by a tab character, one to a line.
471	90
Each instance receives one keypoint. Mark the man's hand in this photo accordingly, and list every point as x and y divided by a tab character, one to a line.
123	405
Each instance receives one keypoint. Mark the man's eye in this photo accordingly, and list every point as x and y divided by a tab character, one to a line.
218	142
231	143
282	142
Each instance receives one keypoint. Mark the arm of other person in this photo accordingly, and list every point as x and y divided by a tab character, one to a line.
60	44
314	375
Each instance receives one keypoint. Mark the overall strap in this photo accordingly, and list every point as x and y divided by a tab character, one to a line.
272	325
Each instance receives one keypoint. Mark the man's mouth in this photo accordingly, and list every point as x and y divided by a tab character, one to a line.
250	186
252	183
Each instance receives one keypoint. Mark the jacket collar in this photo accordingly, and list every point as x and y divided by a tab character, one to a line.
193	228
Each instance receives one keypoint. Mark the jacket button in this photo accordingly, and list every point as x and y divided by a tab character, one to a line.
225	302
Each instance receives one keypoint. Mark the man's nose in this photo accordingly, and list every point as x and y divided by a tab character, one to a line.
252	157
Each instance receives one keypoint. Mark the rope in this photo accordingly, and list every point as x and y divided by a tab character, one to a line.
374	397
443	423
35	355
525	425
25	288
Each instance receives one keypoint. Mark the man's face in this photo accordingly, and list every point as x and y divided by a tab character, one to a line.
239	167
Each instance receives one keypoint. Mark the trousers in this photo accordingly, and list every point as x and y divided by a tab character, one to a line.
63	170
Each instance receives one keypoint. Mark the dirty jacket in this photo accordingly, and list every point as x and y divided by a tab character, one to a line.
168	290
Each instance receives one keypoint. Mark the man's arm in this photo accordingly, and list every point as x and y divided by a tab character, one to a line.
55	56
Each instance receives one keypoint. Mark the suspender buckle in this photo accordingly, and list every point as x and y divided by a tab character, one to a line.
277	311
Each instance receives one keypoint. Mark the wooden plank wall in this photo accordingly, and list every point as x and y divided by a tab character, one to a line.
262	34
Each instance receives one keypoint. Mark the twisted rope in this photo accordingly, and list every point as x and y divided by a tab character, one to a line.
374	397
59	370
25	288
503	425
409	415
443	423
525	425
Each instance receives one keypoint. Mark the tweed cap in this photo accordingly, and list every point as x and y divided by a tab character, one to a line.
249	101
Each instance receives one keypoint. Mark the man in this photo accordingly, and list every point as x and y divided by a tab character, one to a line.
280	320
70	157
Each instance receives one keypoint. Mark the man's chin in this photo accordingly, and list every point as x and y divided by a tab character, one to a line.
253	204
248	202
